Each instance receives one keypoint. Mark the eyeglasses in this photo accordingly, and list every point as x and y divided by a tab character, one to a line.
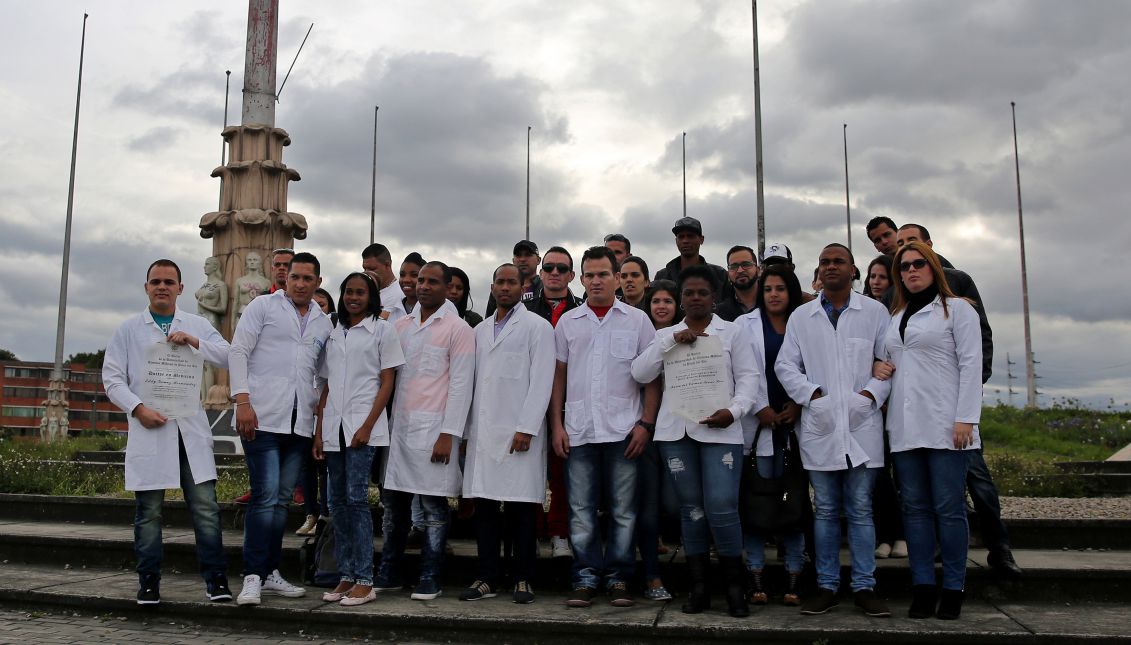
735	266
904	267
560	268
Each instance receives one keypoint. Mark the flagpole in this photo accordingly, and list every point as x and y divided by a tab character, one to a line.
847	207
527	183
224	141
685	174
373	183
1030	369
758	137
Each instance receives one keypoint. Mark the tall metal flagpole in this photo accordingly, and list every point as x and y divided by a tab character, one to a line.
224	141
685	174
1030	370
55	420
527	183
758	136
373	184
847	207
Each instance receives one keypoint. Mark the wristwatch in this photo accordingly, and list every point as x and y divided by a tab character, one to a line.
650	427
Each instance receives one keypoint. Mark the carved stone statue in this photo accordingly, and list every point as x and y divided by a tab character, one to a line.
212	296
251	284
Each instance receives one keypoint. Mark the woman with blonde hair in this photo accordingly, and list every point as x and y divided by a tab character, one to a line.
934	349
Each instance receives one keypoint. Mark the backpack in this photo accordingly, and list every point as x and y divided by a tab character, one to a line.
316	557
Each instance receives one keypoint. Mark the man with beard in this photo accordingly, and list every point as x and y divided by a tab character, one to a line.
742	270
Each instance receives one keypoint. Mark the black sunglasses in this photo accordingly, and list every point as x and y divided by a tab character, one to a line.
560	268
906	266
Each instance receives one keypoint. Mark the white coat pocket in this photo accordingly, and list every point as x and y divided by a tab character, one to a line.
423	430
861	412
622	345
433	360
817	419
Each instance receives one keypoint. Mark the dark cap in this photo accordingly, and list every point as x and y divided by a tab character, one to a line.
525	246
689	223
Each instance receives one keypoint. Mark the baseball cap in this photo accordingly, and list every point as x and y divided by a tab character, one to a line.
688	223
525	246
777	253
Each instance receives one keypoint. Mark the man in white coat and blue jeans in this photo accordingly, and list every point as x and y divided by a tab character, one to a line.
161	452
825	363
274	360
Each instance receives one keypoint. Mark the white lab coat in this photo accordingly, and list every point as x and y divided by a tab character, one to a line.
843	424
738	363
352	368
434	391
277	365
603	401
938	376
752	323
392	302
152	455
514	375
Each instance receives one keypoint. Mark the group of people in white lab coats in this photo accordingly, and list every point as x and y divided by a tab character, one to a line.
587	385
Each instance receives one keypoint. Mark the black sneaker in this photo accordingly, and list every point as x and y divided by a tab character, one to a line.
820	603
149	590
867	600
581	597
217	589
523	593
477	590
1004	565
619	596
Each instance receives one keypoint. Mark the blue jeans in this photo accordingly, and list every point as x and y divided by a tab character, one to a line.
933	485
596	473
655	499
755	543
849	490
706	478
201	500
396	522
274	462
347	483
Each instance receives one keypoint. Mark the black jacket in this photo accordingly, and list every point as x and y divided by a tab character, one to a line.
671	272
536	301
730	307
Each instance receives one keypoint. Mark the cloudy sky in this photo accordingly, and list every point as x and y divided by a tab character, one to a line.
608	88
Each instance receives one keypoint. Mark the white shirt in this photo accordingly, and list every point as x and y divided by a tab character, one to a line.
603	401
514	375
276	364
738	364
938	376
752	323
434	389
843	427
392	301
153	455
352	369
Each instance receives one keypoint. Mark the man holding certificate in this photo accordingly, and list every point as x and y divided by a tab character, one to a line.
152	371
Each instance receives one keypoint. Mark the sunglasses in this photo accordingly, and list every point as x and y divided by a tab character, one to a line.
560	268
916	264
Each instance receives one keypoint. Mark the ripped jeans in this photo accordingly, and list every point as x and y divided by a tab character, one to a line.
706	478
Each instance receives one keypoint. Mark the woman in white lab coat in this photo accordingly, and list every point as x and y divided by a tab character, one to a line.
934	346
704	456
362	355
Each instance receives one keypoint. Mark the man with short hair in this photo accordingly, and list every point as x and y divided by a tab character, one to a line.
979	481
377	261
525	256
604	429
620	246
274	359
688	240
506	443
163	452
280	266
742	271
882	232
434	388
825	364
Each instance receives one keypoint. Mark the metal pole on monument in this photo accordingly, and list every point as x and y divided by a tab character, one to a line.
1030	369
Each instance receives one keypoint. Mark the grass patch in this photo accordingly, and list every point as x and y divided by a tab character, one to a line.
1022	446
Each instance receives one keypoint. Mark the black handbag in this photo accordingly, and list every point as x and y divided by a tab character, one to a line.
774	505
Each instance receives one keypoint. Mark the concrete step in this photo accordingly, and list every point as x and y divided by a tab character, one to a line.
1095	575
393	617
1096	484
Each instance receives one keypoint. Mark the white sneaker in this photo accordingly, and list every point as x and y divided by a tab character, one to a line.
275	584
308	527
883	550
249	594
899	549
559	547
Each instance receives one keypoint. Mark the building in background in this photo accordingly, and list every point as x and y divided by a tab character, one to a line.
23	388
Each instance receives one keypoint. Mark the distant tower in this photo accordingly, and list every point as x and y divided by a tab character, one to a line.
253	215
